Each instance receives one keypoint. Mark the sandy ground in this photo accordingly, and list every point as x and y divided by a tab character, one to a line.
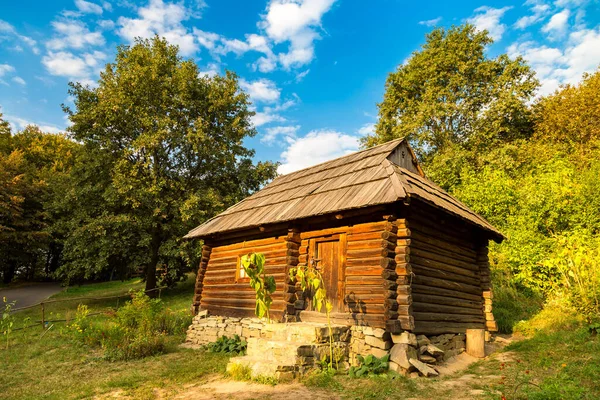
29	295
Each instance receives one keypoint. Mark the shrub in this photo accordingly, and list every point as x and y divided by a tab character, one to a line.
233	345
557	315
369	365
139	329
513	304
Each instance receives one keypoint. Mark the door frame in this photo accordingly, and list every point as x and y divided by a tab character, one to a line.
342	247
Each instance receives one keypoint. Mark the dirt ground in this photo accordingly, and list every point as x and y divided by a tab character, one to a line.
453	383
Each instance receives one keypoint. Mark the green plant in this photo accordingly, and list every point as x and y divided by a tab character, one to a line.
7	322
233	345
369	365
311	279
263	285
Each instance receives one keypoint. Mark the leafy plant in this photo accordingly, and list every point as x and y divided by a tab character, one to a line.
310	279
263	285
369	365
7	321
224	344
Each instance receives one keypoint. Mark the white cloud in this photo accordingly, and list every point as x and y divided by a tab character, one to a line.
431	22
314	148
566	63
265	117
19	80
164	19
210	71
488	18
106	24
539	12
296	22
87	7
74	67
73	34
6	68
5	27
558	24
366	129
287	132
18	123
301	75
262	90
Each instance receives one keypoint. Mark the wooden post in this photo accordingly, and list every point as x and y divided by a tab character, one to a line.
43	322
476	342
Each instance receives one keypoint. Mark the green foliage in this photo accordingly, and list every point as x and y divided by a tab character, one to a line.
162	149
263	285
556	316
224	344
450	93
369	365
139	329
7	322
513	305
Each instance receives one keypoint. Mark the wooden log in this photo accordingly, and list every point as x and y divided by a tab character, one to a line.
436	301
475	342
372	226
387	263
435	273
423	245
436	328
442	266
416	252
363	280
374	270
371	244
359	237
404	299
431	290
407	322
402	258
248	244
388	274
358	262
438	308
442	283
402	250
443	317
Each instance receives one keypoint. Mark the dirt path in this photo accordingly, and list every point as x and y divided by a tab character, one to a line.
29	295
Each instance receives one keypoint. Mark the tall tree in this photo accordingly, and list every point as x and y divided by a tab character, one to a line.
450	94
162	150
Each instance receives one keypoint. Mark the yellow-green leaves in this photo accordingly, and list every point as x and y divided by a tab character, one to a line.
264	285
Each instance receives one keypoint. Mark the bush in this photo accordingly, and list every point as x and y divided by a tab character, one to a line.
227	345
369	365
557	315
513	304
139	329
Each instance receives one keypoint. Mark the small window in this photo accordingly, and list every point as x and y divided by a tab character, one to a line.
240	272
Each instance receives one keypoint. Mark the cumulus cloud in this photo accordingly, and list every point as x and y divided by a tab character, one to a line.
210	71
6	68
316	147
87	7
19	80
431	22
488	18
366	129
70	33
164	19
296	22
75	67
261	91
18	123
558	24
539	12
265	117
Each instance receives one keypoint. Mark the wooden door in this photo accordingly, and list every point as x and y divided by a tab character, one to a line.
327	254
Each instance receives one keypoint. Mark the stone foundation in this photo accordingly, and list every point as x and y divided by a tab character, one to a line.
292	349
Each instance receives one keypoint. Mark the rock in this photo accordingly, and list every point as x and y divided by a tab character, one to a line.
378	352
434	350
401	353
423	349
414	375
379	343
422	340
378	332
367	330
423	368
397	369
405	338
427	358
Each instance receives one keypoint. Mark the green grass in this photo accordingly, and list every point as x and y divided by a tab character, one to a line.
54	366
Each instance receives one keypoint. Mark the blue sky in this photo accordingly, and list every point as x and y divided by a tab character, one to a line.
315	69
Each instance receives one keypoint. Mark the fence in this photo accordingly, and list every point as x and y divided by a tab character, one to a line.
44	322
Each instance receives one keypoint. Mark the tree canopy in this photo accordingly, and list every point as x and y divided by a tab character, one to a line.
162	149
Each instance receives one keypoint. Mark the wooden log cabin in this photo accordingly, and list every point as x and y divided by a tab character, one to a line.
395	250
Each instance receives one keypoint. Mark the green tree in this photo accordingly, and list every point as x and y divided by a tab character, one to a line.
450	96
162	151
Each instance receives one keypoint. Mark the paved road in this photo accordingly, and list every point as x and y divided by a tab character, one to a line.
30	294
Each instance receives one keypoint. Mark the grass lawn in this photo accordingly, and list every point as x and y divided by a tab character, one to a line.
563	364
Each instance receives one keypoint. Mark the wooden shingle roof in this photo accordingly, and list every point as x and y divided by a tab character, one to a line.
362	179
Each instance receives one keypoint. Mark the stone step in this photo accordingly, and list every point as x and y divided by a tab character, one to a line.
306	332
300	353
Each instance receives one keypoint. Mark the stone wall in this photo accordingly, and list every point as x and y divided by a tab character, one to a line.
408	353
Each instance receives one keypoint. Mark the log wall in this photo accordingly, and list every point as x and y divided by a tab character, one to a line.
221	294
447	286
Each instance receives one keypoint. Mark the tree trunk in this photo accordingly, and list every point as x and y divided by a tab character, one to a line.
9	272
151	268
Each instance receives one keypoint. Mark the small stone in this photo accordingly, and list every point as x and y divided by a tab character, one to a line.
405	338
434	350
378	352
414	375
367	330
378	332
423	368
422	340
379	343
427	359
401	353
